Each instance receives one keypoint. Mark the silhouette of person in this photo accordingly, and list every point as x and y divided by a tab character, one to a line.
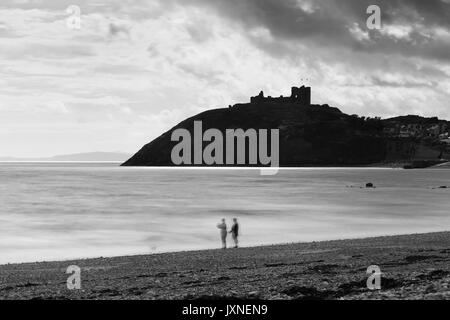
235	232
223	233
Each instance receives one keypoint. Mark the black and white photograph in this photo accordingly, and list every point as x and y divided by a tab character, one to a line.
254	151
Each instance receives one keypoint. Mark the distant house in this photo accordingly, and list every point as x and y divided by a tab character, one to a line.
392	128
434	130
405	132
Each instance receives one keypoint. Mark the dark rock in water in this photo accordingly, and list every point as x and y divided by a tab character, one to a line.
370	185
443	187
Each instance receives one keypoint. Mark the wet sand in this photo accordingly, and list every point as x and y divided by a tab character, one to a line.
412	266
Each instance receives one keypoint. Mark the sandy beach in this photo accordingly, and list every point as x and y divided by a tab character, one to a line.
413	267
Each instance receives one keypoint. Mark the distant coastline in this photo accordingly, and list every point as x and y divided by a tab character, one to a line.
50	161
77	157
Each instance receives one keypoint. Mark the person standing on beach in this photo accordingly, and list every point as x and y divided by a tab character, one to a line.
235	232
223	233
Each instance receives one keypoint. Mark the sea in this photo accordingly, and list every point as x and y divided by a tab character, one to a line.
63	211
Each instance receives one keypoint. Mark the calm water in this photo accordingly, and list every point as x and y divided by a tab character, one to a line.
63	211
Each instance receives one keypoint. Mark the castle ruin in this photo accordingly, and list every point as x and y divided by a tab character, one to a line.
300	95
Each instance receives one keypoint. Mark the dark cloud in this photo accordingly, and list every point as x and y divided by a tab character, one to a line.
116	29
209	76
377	81
329	22
199	33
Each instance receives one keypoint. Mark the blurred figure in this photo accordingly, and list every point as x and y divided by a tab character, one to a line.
223	233
235	232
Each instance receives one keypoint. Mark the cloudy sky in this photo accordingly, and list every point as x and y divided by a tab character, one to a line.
138	67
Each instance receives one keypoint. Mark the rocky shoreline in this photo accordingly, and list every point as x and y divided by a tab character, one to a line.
412	266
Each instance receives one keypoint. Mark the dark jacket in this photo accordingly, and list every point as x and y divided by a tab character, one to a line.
235	229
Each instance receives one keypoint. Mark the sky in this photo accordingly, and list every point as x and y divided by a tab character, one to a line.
136	68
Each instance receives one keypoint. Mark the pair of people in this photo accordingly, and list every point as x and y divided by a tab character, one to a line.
224	232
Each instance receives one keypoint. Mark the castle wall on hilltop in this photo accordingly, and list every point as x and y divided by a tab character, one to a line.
300	95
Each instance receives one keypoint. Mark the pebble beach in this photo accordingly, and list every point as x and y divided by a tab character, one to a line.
412	266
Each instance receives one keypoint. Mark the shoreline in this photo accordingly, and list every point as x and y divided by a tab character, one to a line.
413	267
394	165
204	250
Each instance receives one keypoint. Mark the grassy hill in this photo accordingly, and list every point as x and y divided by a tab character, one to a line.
316	135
